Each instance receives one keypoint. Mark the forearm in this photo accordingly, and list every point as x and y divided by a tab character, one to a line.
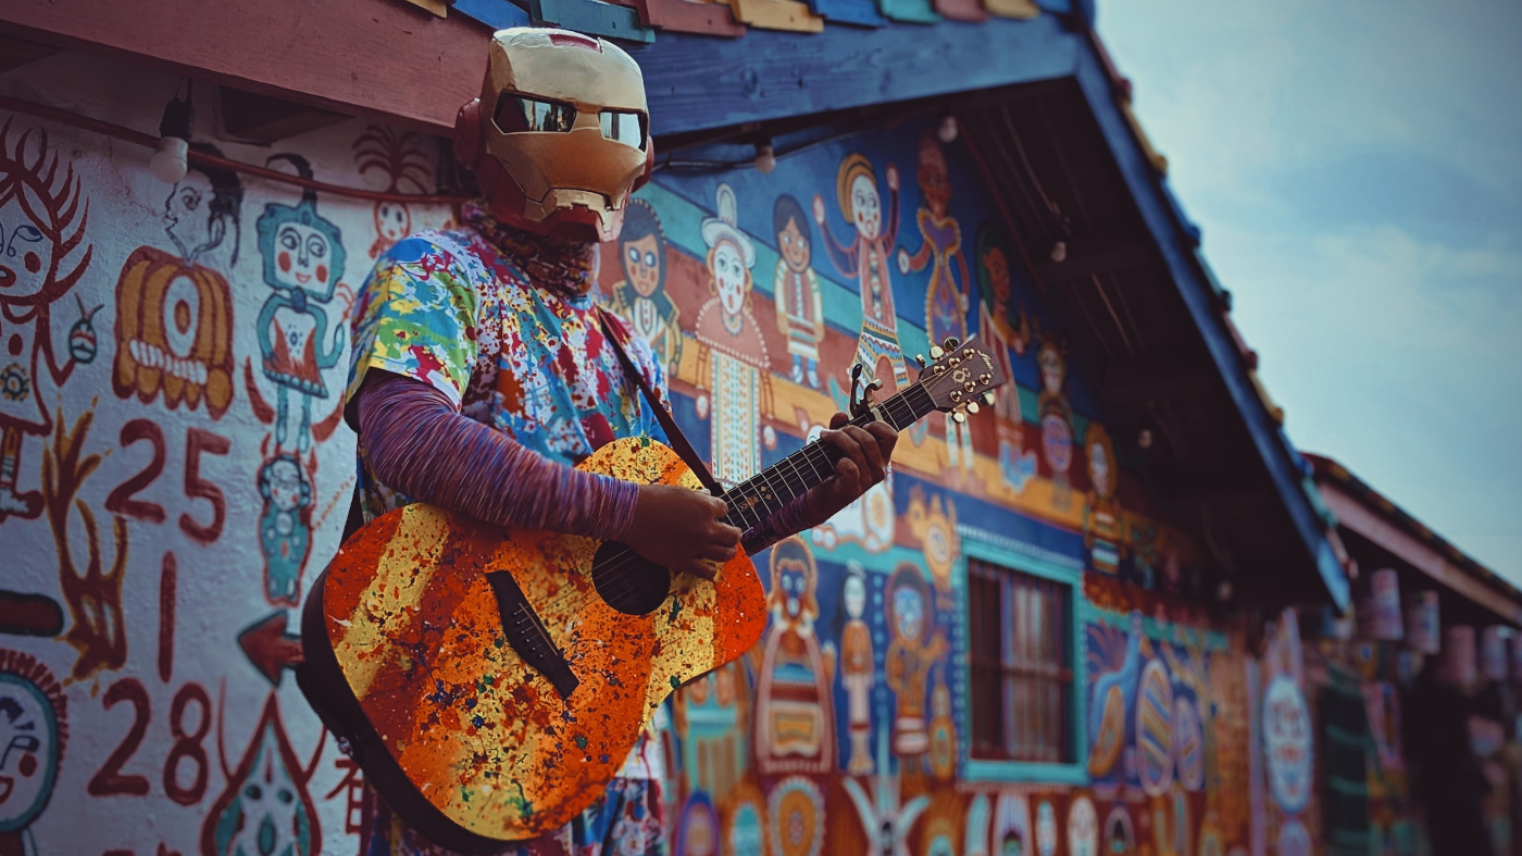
787	520
416	443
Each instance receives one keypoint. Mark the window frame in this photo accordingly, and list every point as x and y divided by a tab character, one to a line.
977	546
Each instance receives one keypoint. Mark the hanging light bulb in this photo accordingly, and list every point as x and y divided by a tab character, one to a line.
948	130
766	159
169	162
1059	252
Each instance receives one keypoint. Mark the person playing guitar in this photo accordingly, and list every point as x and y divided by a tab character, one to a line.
481	372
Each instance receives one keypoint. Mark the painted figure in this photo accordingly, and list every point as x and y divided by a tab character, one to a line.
885	816
1056	418
1104	533
866	259
857	672
795	289
43	217
711	714
641	298
34	730
734	354
915	648
946	298
174	313
795	708
1001	336
303	262
943	730
285	527
397	156
934	523
265	807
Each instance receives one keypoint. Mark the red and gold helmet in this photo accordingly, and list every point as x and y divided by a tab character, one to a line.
560	135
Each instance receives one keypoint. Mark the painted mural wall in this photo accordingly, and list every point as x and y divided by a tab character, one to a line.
175	471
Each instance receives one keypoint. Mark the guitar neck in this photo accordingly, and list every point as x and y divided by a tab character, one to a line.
756	498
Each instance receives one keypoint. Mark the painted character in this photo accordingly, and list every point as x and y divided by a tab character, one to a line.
866	258
857	671
33	731
1056	418
285	527
641	298
995	283
795	288
398	157
943	730
915	648
43	217
946	299
303	262
795	708
265	809
174	313
1103	520
733	361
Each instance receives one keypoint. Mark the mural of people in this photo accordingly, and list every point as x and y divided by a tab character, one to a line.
915	648
733	361
795	709
174	311
1104	533
398	157
641	298
795	289
946	299
303	262
866	259
1056	418
43	217
857	671
1000	336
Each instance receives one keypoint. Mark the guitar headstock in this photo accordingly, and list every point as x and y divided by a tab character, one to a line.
963	375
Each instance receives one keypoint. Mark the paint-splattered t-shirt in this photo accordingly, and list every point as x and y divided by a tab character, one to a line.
502	324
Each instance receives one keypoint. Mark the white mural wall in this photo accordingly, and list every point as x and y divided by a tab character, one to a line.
174	470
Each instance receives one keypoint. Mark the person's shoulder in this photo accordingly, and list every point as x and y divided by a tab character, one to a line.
423	245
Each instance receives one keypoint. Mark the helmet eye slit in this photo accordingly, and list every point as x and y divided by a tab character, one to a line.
520	113
623	126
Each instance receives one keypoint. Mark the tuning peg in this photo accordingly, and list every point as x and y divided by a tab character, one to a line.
936	352
951	343
920	358
989	398
972	407
959	416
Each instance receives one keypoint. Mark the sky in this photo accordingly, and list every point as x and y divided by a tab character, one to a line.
1357	170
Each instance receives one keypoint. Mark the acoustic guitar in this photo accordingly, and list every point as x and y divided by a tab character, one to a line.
490	682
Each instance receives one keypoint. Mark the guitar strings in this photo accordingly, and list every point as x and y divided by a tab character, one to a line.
620	579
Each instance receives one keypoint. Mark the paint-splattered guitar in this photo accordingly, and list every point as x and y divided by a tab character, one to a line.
491	682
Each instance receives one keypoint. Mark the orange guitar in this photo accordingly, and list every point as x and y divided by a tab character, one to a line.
490	682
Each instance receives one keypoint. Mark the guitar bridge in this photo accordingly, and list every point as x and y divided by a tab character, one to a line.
528	635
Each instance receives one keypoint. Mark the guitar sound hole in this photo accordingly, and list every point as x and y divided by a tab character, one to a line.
627	581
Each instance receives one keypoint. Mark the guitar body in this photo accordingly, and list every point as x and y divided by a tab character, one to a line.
410	658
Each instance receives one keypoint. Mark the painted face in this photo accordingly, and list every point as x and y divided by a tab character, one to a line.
794	582
730	277
866	207
1083	827
28	750
273	820
935	188
909	612
1012	846
795	247
998	273
1099	468
1052	369
301	258
642	264
285	481
855	596
187	215
393	221
26	254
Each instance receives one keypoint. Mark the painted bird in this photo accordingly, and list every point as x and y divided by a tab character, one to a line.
1114	702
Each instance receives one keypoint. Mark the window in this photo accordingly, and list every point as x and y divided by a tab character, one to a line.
1020	653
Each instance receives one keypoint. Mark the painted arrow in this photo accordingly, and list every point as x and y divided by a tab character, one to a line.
269	647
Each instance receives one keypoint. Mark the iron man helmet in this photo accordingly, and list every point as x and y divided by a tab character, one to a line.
560	135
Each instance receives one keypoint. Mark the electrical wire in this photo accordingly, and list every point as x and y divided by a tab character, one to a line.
118	132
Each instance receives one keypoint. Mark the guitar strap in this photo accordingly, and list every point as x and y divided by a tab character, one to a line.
678	440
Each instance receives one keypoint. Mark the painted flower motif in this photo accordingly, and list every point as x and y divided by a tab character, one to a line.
15	384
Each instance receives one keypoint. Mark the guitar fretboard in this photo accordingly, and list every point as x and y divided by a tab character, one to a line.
756	498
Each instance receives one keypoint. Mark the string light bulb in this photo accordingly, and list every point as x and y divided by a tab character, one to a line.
169	162
948	130
766	159
1059	252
